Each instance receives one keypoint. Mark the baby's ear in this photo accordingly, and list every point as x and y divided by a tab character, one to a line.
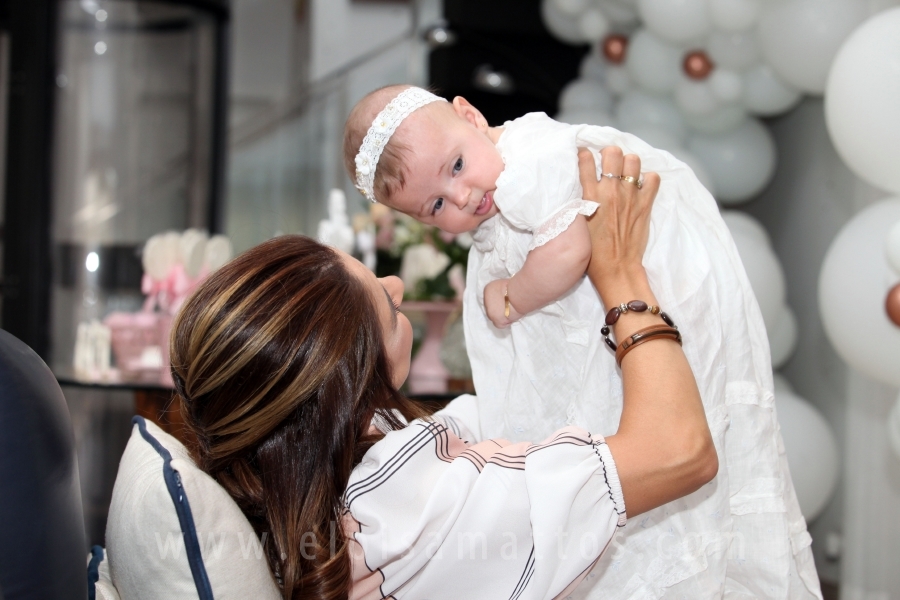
464	109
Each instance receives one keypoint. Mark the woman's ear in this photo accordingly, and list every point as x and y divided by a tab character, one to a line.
464	109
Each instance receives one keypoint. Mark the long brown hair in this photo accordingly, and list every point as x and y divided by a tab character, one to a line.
280	365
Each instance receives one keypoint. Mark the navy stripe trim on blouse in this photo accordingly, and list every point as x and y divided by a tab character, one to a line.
93	571
183	509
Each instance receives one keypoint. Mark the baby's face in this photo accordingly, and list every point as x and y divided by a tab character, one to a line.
452	169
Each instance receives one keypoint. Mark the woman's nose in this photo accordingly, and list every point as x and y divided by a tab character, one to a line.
393	285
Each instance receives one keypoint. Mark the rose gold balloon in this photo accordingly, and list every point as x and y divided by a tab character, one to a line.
614	47
697	65
892	305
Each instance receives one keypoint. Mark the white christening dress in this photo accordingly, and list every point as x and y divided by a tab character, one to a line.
741	535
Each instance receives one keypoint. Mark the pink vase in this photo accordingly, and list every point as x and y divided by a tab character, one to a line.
427	374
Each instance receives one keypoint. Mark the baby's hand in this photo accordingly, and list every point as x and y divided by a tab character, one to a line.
495	304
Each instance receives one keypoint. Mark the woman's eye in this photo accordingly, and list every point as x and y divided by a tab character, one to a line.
396	306
458	165
437	205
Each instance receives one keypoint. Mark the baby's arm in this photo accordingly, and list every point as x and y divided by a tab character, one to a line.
549	272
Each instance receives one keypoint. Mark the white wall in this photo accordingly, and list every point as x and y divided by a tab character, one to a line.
343	31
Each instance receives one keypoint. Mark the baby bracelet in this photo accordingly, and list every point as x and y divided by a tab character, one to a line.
506	299
655	332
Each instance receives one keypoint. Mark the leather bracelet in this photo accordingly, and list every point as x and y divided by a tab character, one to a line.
655	332
634	306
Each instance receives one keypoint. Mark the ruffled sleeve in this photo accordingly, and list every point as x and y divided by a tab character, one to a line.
539	189
430	516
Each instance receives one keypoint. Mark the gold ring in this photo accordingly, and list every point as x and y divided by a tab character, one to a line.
634	180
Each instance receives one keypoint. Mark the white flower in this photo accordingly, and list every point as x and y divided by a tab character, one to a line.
421	261
362	164
380	126
465	240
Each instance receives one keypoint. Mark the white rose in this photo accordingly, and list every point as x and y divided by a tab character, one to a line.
421	261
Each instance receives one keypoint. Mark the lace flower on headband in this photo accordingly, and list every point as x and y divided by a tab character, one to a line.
383	127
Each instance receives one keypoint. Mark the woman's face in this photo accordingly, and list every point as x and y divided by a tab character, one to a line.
387	294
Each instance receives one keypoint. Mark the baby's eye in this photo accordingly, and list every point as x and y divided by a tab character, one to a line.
437	205
458	165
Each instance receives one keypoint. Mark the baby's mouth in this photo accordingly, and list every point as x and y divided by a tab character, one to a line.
487	201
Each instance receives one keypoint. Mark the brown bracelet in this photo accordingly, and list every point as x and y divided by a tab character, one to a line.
655	332
635	306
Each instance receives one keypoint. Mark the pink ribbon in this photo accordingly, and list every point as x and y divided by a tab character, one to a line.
170	293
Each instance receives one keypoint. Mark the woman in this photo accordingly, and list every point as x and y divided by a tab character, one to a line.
287	361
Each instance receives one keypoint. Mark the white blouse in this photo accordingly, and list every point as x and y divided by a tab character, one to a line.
436	512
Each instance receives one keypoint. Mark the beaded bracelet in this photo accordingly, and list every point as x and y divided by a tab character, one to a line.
654	332
635	306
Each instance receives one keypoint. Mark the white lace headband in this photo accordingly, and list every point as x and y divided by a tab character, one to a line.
383	127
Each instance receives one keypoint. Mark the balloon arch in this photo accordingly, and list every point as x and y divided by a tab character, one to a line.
694	77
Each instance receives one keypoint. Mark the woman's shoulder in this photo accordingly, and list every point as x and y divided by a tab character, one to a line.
421	440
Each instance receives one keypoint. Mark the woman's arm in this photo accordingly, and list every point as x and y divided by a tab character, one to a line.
663	448
549	272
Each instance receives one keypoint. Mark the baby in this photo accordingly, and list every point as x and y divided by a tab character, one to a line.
533	327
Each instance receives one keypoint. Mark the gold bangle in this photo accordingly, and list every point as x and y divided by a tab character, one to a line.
506	299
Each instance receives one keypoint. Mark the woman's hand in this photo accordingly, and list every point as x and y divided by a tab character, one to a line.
621	226
663	448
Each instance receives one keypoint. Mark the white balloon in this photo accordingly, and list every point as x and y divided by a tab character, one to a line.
571	7
783	337
593	67
639	108
811	451
740	223
741	161
726	85
655	136
765	94
585	93
893	426
593	25
563	26
799	38
161	252
862	100
620	12
725	118
893	247
218	252
853	282
653	64
734	15
618	79
697	167
782	385
695	97
765	274
736	51
585	116
192	248
677	21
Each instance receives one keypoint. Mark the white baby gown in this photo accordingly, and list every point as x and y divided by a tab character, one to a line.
742	535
